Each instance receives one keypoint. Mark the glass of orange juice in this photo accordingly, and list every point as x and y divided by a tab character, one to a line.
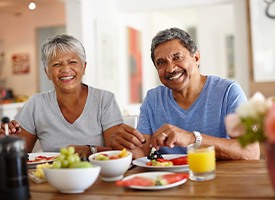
202	162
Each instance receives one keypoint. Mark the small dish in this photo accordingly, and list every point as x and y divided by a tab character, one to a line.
35	178
113	169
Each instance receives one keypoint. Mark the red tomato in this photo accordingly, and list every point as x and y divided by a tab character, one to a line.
172	178
180	160
137	181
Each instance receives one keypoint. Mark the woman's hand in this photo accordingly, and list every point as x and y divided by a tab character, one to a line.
14	128
169	135
125	136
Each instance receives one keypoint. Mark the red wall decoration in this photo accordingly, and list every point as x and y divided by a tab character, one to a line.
20	63
135	65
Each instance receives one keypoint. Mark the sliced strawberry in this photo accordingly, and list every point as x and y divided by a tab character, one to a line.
180	160
137	181
171	178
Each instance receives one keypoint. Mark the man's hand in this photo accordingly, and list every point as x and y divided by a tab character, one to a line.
169	135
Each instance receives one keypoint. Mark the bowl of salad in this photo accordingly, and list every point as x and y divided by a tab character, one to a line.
113	163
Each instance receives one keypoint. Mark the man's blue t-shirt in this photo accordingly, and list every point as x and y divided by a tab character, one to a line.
218	98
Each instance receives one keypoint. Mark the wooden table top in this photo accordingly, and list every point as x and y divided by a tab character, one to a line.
234	180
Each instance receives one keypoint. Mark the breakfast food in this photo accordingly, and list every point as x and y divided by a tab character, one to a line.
182	160
69	159
103	156
66	159
41	159
137	181
39	173
156	159
160	162
162	180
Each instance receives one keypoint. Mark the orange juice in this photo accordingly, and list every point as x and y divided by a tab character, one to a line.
202	163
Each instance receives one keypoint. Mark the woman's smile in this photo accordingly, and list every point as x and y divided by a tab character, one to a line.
67	78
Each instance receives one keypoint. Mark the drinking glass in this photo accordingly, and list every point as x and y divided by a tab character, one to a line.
202	162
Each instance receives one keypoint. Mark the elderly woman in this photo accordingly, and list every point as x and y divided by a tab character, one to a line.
189	107
72	114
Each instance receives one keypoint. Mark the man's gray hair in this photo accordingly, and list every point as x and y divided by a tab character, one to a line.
170	34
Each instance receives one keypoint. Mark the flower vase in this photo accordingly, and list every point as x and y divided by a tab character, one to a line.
270	162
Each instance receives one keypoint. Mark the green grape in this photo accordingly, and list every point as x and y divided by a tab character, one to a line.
57	164
63	151
65	163
101	157
82	164
71	159
61	157
76	157
70	150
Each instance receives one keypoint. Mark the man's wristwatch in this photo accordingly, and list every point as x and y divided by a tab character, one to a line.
198	139
92	148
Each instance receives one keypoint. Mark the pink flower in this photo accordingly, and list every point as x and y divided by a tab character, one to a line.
253	121
233	125
270	124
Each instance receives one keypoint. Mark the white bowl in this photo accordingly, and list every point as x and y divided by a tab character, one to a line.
112	170
72	180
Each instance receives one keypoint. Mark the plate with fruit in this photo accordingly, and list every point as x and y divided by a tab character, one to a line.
153	180
165	162
43	157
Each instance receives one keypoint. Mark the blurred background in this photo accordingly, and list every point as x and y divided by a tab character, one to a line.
234	37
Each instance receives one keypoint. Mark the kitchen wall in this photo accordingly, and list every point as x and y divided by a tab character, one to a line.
18	35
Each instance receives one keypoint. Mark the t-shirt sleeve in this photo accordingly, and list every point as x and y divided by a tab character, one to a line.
143	125
111	114
236	96
25	117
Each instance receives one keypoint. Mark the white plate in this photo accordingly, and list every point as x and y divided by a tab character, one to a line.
32	156
153	175
141	162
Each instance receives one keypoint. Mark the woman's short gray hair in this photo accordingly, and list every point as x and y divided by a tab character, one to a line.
64	43
170	34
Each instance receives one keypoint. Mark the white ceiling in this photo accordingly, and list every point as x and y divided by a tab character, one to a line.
19	7
160	5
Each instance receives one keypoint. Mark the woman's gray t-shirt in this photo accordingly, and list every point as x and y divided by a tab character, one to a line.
42	116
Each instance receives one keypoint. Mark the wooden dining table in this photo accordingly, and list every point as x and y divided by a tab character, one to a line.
241	179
